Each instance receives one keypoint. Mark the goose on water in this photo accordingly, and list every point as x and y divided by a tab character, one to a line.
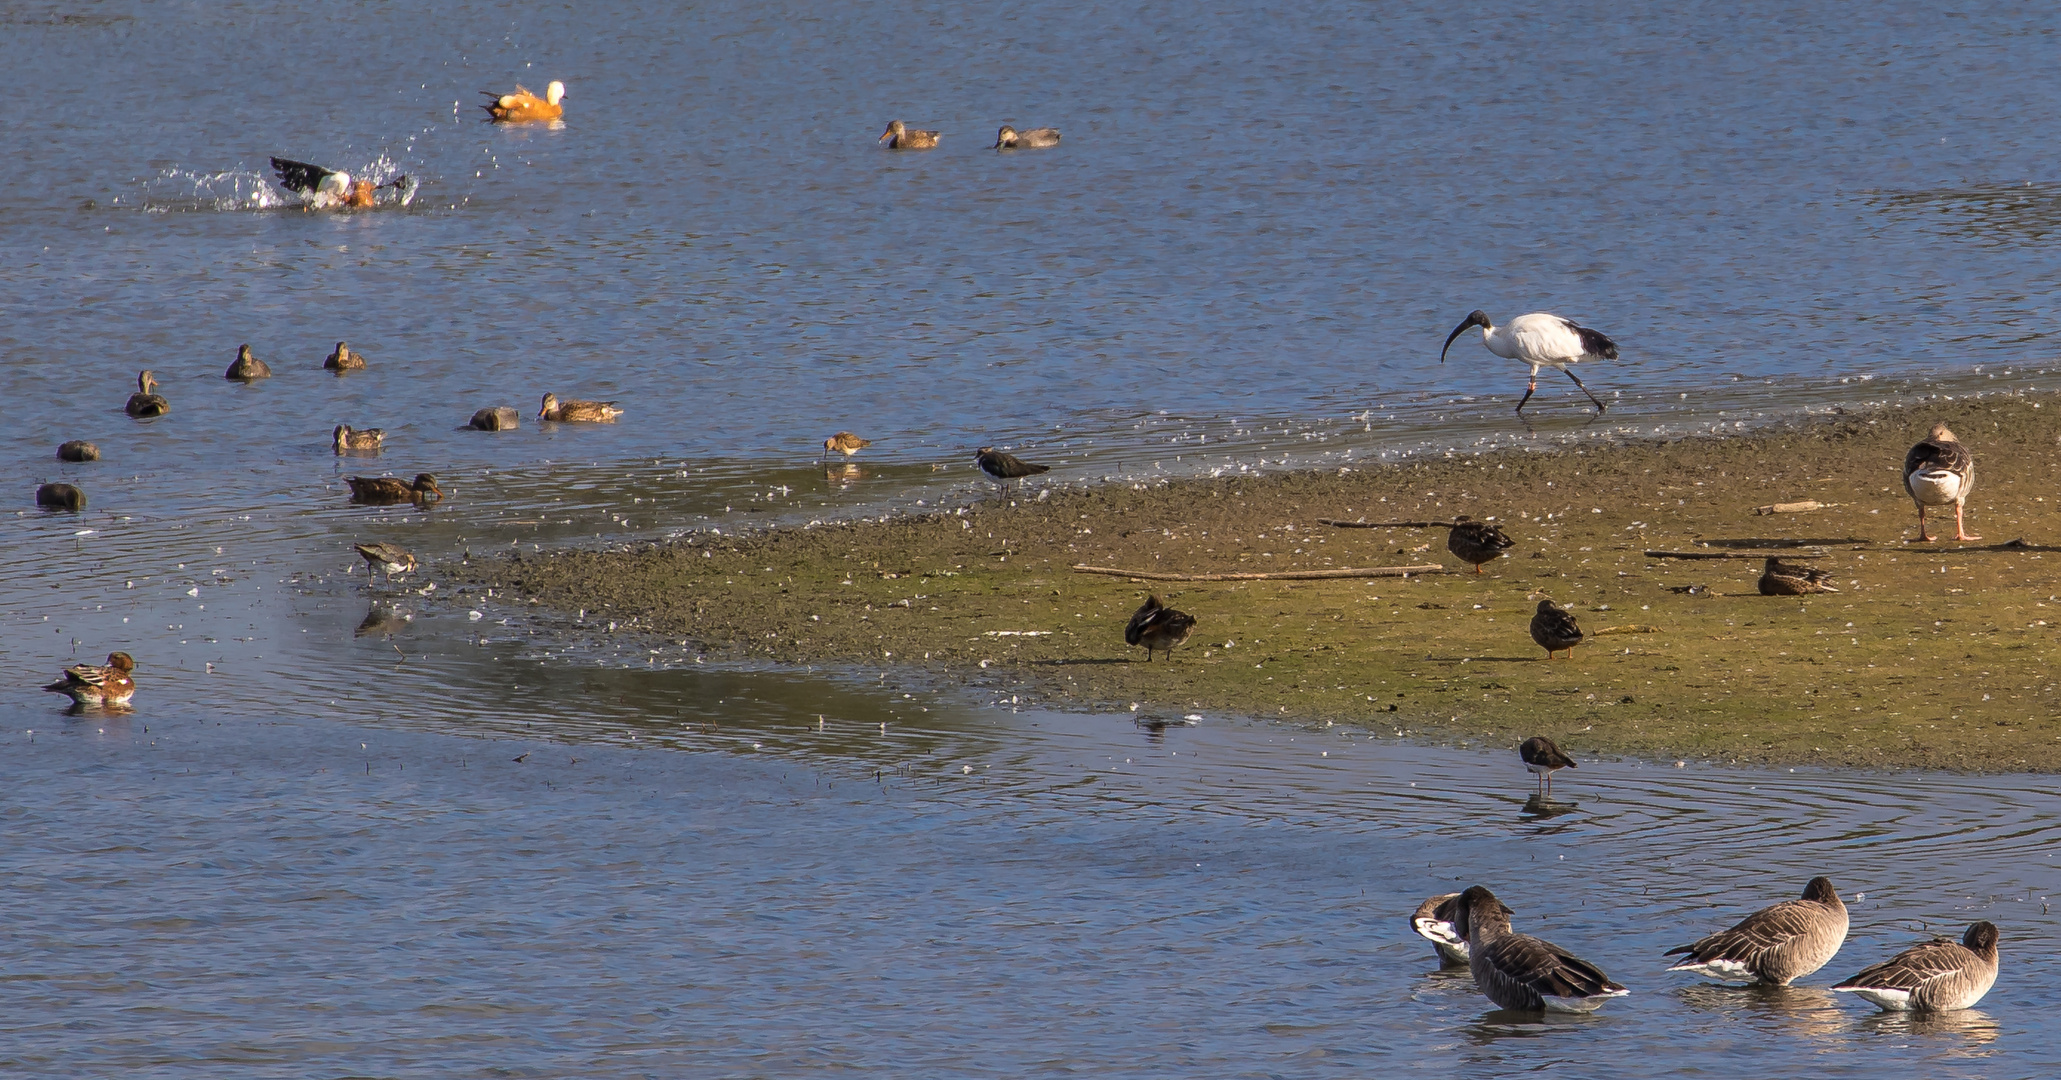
1433	921
1518	971
1776	945
1936	976
1539	340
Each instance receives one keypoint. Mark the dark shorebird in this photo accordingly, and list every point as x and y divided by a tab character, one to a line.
95	684
389	558
1778	578
1777	944
78	450
1031	139
1539	340
899	136
1518	971
390	489
844	442
1542	759
1433	921
1554	628
346	439
1939	471
247	366
1157	626
344	358
496	418
60	497
1006	467
332	189
577	412
146	401
1939	975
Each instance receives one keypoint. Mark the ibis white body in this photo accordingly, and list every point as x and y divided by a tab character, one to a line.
1540	340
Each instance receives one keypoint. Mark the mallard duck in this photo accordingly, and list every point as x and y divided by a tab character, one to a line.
1778	578
899	137
1477	542
523	107
94	684
846	443
1157	626
1005	467
497	418
1433	921
390	558
60	497
247	366
1554	628
331	189
343	359
1939	471
1518	971
347	439
1938	975
1036	138
78	450
578	412
1542	758
145	401
390	489
1777	944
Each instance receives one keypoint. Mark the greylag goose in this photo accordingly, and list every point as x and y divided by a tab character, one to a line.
1777	945
1518	971
1937	472
1939	975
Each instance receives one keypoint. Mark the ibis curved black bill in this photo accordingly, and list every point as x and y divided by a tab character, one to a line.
1475	318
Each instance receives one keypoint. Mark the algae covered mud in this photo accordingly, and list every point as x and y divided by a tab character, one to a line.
1929	655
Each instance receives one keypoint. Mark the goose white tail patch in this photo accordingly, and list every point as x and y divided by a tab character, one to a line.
1728	971
1935	487
1887	998
1581	1004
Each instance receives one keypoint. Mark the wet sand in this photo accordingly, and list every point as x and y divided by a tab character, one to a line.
1930	655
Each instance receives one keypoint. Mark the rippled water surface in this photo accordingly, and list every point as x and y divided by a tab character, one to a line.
309	851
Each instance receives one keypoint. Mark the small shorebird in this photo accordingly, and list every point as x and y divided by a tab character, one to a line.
146	401
1542	759
247	366
1477	542
390	489
347	439
60	497
1433	922
1518	971
78	450
582	412
1776	945
1539	340
344	359
1554	628
330	189
1033	139
95	684
1778	578
846	443
390	558
1006	467
497	418
1939	471
1939	975
899	137
1157	626
523	107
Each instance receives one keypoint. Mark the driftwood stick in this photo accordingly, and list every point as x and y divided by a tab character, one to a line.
1335	523
1279	575
1803	553
1804	507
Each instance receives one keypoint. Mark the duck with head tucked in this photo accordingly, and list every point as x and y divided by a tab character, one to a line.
247	366
899	136
495	418
146	400
523	107
384	490
347	439
578	412
1033	139
78	450
60	497
96	684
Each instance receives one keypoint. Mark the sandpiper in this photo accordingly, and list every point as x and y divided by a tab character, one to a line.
1539	340
1778	578
1554	628
900	136
1939	975
95	684
1939	471
1518	971
846	443
1542	759
1433	921
495	418
1030	139
390	558
60	497
1005	467
1157	626
578	412
247	366
146	401
389	489
346	439
344	358
1776	945
78	450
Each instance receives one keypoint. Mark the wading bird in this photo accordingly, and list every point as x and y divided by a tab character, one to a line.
1939	471
146	401
1005	467
578	412
523	107
846	443
391	489
389	558
1541	758
898	136
344	359
347	439
1777	944
1518	971
1939	975
1554	628
247	366
1539	340
1433	922
330	189
1157	626
94	684
1778	578
1033	139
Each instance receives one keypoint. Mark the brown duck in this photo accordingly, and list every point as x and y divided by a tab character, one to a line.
899	136
346	439
247	366
497	418
145	401
78	450
1158	627
1554	628
390	489
1032	139
60	497
95	684
344	359
578	412
1778	578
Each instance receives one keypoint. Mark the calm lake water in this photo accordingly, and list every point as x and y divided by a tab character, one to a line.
1261	223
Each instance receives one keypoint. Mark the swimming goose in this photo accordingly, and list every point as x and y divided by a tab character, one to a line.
344	359
899	137
1157	626
1777	944
523	107
1554	628
1477	542
347	439
390	489
1433	922
846	443
1542	759
391	558
1940	974
1939	471
94	684
78	450
145	401
582	412
1518	971
60	497
497	418
330	189
1035	138
247	366
1778	578
1005	467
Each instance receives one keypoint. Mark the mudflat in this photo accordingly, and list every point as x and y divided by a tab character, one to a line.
1934	655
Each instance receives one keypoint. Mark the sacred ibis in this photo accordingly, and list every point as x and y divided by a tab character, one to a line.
1540	340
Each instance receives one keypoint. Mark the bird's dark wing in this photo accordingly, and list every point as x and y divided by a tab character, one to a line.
1947	455
1769	928
1548	969
299	176
1594	342
1134	630
1915	966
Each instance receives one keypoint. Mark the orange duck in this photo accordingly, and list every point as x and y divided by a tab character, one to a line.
523	107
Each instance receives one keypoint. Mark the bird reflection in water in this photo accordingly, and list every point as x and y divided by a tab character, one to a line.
1976	1029
1499	1024
383	620
1540	807
1809	1012
843	474
1155	726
